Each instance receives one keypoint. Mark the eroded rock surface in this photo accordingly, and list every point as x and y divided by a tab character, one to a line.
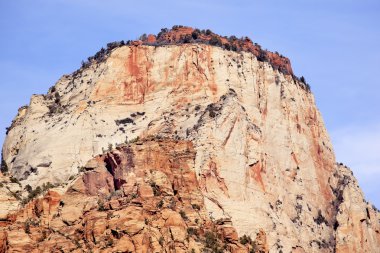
138	198
357	222
262	158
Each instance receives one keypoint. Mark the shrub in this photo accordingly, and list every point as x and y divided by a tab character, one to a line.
143	37
262	56
232	38
37	191
192	231
245	240
16	195
163	31
101	205
47	186
215	41
320	218
27	227
211	242
196	207
156	189
161	241
30	222
183	215
195	35
187	38
28	188
160	204
109	242
124	121
115	44
14	180
32	193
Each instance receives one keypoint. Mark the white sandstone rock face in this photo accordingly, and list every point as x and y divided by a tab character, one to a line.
9	192
264	158
358	222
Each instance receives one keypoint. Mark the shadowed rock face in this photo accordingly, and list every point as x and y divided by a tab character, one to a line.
260	155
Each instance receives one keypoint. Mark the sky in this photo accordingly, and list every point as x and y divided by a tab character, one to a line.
334	44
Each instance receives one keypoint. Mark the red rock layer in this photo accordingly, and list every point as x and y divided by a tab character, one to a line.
139	198
182	34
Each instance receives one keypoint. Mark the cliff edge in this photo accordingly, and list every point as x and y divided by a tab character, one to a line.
216	128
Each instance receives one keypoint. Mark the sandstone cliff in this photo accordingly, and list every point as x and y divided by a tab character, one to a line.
258	154
143	197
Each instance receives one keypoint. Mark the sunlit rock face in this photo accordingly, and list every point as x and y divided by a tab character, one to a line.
262	156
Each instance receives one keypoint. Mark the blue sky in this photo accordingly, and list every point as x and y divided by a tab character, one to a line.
334	44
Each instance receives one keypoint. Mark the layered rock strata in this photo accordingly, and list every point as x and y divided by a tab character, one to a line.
143	197
262	156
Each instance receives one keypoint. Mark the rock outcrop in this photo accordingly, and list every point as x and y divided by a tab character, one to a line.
357	222
259	161
143	197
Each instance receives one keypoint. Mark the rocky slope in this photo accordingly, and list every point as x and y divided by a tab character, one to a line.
143	197
258	159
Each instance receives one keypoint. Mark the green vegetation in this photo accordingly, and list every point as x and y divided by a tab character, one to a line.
27	227
28	188
183	215
320	218
32	193
101	206
196	207
195	34
4	166
161	241
36	192
247	240
156	189
28	223
192	231
14	180
160	204
212	244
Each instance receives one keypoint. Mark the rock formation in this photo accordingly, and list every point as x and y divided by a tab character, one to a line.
187	136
